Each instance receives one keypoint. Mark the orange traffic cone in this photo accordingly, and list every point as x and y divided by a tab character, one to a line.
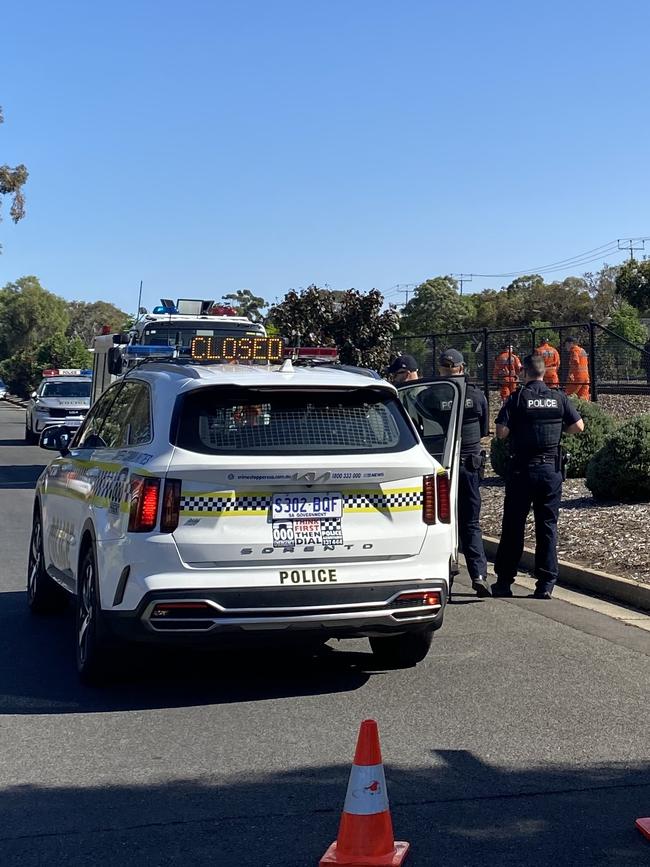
365	836
643	825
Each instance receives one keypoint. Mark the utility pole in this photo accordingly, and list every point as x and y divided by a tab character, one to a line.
628	244
462	279
405	289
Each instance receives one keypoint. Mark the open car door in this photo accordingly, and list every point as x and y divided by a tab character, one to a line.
435	406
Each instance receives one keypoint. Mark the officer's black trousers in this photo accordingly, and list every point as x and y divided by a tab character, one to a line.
539	485
469	528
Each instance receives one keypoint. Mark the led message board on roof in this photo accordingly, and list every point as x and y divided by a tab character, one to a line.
261	350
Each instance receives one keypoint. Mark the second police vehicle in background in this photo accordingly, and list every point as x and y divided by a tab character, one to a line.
63	397
229	493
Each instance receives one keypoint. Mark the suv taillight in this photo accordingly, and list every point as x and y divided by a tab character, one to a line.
171	506
143	514
429	499
444	503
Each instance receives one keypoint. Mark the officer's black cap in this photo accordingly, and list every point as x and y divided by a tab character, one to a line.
403	362
451	358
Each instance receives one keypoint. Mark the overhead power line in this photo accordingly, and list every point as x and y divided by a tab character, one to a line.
579	259
588	257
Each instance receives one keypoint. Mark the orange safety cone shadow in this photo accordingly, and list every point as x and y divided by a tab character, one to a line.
365	837
643	825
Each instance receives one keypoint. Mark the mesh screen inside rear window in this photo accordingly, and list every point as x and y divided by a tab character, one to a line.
291	421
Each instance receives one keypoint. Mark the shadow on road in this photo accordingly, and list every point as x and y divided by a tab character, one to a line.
18	442
21	476
38	674
458	811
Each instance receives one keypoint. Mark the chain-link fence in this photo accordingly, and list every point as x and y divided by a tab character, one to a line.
590	357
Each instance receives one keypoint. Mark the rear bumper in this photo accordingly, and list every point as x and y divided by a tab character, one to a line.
344	611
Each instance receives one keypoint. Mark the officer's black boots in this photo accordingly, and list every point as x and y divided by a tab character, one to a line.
501	591
481	586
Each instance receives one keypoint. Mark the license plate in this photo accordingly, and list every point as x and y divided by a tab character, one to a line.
301	507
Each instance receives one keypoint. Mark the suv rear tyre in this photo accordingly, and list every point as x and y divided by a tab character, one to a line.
92	642
402	651
44	595
30	436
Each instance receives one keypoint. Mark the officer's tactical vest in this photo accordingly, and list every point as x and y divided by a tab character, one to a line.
471	429
539	414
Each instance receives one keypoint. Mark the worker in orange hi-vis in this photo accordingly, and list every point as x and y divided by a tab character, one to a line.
507	366
578	379
551	361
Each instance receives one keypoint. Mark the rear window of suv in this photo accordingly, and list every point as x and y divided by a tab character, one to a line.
290	421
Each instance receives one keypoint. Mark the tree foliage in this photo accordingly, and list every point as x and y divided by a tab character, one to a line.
436	307
28	315
247	304
39	329
363	331
12	181
22	371
351	320
86	319
633	283
306	318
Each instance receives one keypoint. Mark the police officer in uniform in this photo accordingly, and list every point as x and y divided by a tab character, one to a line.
403	369
475	426
533	420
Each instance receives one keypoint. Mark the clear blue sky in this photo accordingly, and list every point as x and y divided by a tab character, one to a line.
208	146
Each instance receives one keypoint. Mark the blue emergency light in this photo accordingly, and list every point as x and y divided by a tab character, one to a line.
143	349
165	309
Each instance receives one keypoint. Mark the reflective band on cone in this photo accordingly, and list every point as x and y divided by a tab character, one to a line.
365	837
643	825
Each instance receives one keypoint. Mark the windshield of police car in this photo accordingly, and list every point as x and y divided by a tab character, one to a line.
66	389
290	421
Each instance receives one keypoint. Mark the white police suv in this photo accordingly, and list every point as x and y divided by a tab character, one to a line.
63	397
204	500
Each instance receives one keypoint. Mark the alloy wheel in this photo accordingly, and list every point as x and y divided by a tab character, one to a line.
86	609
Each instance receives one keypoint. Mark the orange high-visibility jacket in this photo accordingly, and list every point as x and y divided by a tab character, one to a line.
551	359
506	367
578	365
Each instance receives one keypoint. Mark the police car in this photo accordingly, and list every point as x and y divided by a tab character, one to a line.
203	500
63	395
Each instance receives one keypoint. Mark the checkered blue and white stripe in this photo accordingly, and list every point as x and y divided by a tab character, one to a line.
359	501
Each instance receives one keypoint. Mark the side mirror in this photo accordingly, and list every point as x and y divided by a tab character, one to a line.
115	362
34	394
56	439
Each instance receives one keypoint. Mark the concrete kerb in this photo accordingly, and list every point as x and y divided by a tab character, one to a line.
613	587
15	401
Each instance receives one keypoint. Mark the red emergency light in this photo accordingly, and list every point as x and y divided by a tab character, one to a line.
311	352
222	310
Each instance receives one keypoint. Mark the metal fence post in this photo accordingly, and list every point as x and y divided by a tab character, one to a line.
592	361
486	364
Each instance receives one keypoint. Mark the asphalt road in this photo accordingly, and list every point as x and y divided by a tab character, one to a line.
523	739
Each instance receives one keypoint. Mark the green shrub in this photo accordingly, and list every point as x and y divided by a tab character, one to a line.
582	447
620	470
499	454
